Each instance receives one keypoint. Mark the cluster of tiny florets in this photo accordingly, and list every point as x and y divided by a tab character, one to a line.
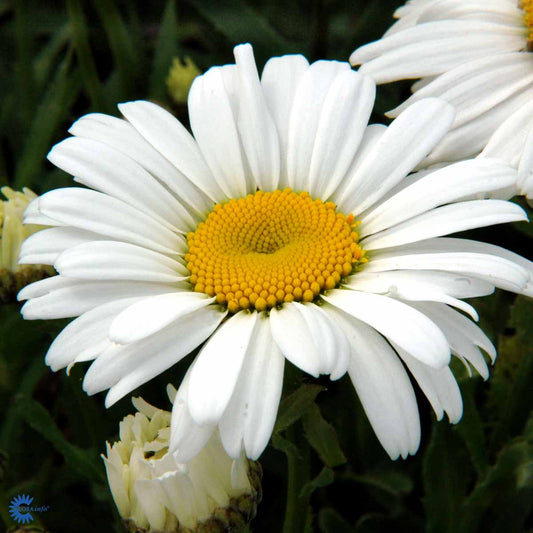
527	7
271	247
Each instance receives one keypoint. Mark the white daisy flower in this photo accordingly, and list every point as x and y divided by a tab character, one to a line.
476	56
154	492
284	229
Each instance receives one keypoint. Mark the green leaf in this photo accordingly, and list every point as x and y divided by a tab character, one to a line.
165	50
330	521
471	428
295	405
86	62
83	461
44	62
325	477
505	494
446	477
52	111
394	483
236	20
126	58
322	437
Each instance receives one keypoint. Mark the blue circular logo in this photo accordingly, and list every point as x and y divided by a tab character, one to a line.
18	510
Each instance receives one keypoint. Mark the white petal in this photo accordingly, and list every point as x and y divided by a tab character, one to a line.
383	388
209	104
279	80
490	263
81	296
401	323
187	438
256	126
44	286
122	136
87	331
439	385
305	116
251	412
343	119
293	336
172	140
436	188
45	246
124	368
217	368
110	260
152	314
100	213
405	143
447	219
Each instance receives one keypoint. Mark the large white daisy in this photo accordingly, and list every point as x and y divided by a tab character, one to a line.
284	229
476	56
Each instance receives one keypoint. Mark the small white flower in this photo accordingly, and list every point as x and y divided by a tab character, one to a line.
155	493
476	56
284	229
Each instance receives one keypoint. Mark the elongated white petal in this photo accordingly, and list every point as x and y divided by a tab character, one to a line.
122	136
279	81
124	368
304	120
152	314
439	386
87	331
44	286
82	296
445	220
209	104
251	413
109	260
436	188
217	368
45	246
291	333
401	323
256	125
383	388
99	213
401	147
172	140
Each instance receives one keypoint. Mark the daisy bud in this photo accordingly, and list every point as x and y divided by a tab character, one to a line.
155	493
180	78
12	234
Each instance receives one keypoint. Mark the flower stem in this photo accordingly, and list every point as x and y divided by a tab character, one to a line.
297	509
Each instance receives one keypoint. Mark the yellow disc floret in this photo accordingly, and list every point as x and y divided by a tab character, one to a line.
271	247
527	7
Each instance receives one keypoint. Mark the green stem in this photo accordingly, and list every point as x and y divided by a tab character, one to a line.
297	509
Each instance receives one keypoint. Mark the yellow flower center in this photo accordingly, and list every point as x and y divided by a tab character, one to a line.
271	247
527	7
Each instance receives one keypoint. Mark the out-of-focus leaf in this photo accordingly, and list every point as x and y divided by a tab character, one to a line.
51	112
240	23
295	405
285	446
24	59
127	61
322	437
45	61
446	478
323	479
86	62
40	420
510	387
505	494
165	50
330	521
471	428
394	483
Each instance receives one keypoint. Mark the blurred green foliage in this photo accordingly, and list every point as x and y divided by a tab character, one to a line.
60	60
